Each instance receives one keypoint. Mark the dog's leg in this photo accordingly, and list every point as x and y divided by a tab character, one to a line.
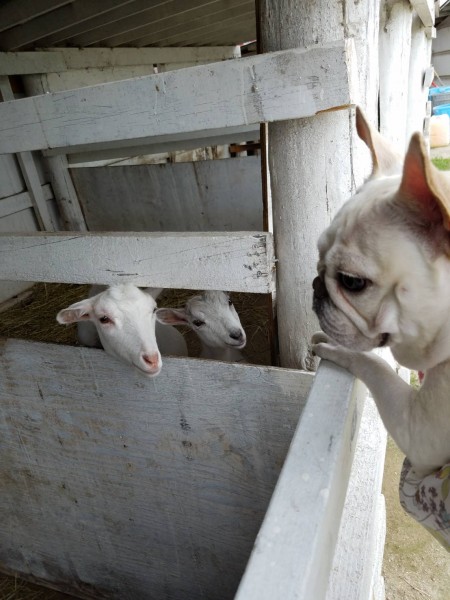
417	420
393	396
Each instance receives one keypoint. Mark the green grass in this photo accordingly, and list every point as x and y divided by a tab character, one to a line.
441	163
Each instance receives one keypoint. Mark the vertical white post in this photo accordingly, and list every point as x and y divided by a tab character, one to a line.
311	165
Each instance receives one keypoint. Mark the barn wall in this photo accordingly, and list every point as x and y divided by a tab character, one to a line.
16	212
213	195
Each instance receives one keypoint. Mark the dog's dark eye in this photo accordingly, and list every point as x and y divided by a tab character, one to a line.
352	284
198	323
105	320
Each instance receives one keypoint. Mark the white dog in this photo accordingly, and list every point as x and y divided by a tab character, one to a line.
384	280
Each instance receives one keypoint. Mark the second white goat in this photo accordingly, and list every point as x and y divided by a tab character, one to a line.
214	319
121	319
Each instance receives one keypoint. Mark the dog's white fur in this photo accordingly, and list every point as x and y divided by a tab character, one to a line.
394	235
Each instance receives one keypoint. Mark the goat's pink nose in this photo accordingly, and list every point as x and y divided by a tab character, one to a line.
152	360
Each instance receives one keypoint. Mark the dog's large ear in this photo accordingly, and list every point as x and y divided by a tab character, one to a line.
385	160
425	190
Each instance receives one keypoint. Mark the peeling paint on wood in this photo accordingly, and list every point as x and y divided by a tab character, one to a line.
239	262
277	86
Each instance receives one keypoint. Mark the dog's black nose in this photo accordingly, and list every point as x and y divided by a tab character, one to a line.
320	289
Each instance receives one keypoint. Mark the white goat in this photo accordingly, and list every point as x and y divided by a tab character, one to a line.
214	319
122	320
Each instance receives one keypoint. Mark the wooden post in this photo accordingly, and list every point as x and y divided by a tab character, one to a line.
395	50
419	61
311	166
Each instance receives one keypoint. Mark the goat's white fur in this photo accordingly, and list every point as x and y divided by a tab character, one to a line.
132	333
214	319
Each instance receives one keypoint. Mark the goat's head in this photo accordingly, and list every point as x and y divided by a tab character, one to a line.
125	318
212	316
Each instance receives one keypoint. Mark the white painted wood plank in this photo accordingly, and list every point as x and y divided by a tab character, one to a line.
395	50
32	181
29	171
240	262
59	60
294	548
359	554
229	135
22	201
100	58
119	486
65	194
425	10
22	63
282	85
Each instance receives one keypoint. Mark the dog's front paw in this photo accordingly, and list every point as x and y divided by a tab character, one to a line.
326	348
320	337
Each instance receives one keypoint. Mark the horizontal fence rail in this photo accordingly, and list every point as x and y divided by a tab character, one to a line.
231	94
239	262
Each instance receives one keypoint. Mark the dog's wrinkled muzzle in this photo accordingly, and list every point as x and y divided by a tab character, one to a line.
320	289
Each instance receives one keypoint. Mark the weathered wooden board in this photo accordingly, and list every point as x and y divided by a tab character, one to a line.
22	201
274	86
210	195
425	10
239	262
294	549
130	487
356	569
59	60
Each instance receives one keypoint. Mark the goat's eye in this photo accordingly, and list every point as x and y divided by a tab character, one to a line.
352	284
198	323
230	303
155	309
105	320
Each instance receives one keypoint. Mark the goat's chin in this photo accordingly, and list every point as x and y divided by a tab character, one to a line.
147	373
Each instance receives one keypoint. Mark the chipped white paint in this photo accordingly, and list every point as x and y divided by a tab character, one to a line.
294	549
277	86
143	488
241	261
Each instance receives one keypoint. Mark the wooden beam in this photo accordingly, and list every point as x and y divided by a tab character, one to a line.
23	63
57	60
222	137
240	262
282	85
29	171
57	20
66	196
22	201
21	11
294	549
425	10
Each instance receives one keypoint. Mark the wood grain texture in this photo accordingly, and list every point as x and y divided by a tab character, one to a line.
124	487
277	86
22	201
356	570
239	262
210	195
294	549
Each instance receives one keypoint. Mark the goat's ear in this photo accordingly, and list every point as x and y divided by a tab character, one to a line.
172	316
80	311
424	189
385	160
